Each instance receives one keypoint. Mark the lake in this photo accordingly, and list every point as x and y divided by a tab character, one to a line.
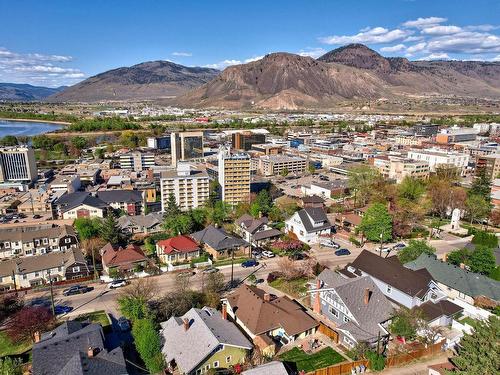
25	128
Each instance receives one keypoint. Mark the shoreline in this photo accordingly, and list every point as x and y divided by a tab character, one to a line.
36	120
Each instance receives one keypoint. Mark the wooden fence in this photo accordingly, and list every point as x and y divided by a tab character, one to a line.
340	369
327	331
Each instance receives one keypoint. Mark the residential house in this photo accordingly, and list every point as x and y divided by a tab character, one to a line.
313	201
37	270
355	307
325	189
141	224
456	282
256	231
76	348
36	240
131	202
348	221
177	249
270	368
268	320
80	204
125	259
218	243
309	224
403	286
202	339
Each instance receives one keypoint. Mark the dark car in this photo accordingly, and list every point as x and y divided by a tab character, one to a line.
341	252
62	309
123	324
37	216
298	256
399	246
76	289
249	263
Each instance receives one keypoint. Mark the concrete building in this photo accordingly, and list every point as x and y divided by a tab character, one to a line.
272	165
456	134
489	163
234	177
67	184
437	158
159	143
243	141
396	168
17	164
426	130
267	149
186	146
190	187
137	161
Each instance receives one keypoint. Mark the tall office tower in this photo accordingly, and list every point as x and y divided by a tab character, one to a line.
188	185
234	176
246	139
186	146
17	164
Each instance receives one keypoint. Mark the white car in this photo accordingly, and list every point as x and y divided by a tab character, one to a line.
117	284
268	254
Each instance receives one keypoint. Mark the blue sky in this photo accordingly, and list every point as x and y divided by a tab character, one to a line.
56	42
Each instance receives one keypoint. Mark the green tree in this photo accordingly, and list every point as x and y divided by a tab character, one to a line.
284	172
360	181
219	213
484	238
376	222
478	208
479	352
179	224
172	208
411	189
110	231
213	196
99	153
79	142
87	227
404	323
43	142
9	140
458	257
482	186
482	260
129	139
311	168
414	250
262	204
9	366
148	343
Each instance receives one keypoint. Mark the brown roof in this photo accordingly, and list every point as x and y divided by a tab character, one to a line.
392	272
120	256
261	316
435	310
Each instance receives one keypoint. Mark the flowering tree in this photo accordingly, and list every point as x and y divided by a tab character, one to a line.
23	324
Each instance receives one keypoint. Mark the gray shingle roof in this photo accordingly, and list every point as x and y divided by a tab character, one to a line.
469	283
143	221
271	368
129	196
217	238
31	232
72	200
207	330
310	215
63	351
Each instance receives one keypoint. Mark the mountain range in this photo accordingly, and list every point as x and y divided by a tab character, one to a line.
290	81
21	92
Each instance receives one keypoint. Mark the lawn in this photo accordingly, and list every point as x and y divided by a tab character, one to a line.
97	317
7	347
225	262
310	362
469	321
295	288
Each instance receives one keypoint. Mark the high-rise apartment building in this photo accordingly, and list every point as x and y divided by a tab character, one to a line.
189	186
137	161
186	146
245	140
17	164
234	176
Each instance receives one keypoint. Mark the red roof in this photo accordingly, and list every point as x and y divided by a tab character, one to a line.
113	257
178	244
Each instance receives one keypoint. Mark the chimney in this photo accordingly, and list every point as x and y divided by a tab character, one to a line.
462	266
317	301
367	295
267	297
90	352
36	336
224	311
186	324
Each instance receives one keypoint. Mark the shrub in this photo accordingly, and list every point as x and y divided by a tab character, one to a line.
354	241
148	343
273	276
486	239
377	361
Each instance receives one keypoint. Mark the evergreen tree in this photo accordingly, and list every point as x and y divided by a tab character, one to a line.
172	208
482	185
111	232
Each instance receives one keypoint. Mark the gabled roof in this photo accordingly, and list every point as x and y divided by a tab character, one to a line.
217	238
63	351
392	272
352	292
207	330
29	233
433	310
144	221
69	201
308	216
261	316
469	283
312	199
268	233
270	368
250	224
118	256
128	196
178	244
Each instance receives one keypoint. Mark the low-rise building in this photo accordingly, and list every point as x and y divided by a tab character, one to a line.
123	259
273	165
255	231
436	158
325	189
456	134
137	161
141	224
67	184
218	243
177	249
308	225
490	164
396	168
80	204
131	202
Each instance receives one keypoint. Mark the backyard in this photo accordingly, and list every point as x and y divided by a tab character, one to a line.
97	317
310	362
7	347
295	288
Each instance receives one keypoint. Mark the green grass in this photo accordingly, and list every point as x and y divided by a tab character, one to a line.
310	362
469	321
97	317
225	262
7	347
295	288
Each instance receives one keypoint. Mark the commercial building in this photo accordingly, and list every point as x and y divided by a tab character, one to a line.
490	164
190	187
186	146
272	165
137	161
426	130
396	168
67	184
437	158
244	141
456	134
267	149
159	143
17	164
234	177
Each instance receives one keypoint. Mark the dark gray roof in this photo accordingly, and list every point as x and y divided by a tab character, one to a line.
143	221
271	368
268	233
217	238
207	330
129	196
469	283
251	224
311	215
72	200
63	351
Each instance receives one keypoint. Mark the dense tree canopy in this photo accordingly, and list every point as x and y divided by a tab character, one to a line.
414	250
376	222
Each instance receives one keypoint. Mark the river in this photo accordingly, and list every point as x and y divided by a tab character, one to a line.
26	128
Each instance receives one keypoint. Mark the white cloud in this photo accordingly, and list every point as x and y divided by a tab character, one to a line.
223	64
436	56
375	35
416	48
182	54
465	42
396	48
424	22
441	30
312	52
252	59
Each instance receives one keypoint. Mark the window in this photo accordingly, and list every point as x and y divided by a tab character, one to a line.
37	274
25	277
67	240
228	359
216	364
389	289
75	269
334	312
348	341
346	319
461	295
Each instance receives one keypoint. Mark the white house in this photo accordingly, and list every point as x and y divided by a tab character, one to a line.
309	224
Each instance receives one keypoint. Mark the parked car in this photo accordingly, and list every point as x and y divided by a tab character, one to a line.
399	246
62	309
36	216
385	249
249	263
341	252
123	324
186	274
298	256
256	254
76	289
330	243
211	270
117	283
268	254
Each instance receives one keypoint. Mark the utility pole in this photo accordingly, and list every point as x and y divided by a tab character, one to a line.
51	294
14	280
232	267
381	238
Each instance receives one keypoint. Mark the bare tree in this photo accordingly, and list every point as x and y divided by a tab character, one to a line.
145	289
